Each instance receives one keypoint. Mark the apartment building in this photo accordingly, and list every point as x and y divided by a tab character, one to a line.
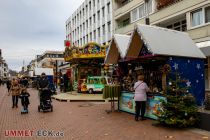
191	16
49	59
91	22
4	71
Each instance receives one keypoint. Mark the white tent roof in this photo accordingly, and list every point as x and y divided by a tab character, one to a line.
118	47
162	41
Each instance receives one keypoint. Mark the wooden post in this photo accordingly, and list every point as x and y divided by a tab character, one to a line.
164	84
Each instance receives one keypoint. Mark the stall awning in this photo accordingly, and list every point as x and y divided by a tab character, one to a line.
117	48
162	41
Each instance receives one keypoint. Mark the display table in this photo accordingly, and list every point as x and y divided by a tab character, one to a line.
111	91
153	106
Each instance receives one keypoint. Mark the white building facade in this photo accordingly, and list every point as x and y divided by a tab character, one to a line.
4	70
91	22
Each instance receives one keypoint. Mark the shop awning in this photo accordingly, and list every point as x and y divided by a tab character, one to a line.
162	41
117	48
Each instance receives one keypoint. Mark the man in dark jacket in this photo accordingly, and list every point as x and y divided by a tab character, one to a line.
43	84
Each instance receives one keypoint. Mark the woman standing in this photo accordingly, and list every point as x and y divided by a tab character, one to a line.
140	97
15	91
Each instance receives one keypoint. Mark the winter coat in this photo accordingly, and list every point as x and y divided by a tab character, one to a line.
24	98
15	90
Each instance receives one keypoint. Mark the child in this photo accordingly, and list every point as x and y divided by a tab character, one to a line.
24	100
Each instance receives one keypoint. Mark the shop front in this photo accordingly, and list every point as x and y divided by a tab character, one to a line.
160	55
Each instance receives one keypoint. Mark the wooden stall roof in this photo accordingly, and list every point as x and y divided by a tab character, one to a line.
162	41
117	48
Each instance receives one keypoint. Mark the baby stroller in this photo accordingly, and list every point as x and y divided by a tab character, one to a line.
45	100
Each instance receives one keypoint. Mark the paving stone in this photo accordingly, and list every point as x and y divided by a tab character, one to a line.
90	122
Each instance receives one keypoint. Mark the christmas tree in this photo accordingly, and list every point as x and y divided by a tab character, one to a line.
179	109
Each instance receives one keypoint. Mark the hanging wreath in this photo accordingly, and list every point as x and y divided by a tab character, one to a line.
166	69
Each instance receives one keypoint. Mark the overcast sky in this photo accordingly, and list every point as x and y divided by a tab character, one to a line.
29	27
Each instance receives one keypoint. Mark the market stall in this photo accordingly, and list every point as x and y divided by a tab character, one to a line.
85	62
159	54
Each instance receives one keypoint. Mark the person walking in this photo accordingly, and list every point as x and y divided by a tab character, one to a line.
15	91
140	97
8	85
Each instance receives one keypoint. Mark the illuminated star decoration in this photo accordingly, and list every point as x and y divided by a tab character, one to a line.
188	83
170	58
188	61
198	66
176	66
197	81
202	75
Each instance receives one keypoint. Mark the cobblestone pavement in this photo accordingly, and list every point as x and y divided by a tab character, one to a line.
82	121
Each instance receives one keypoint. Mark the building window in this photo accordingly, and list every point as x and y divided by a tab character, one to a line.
179	25
103	12
90	21
141	11
94	3
94	35
86	8
87	23
103	27
197	17
98	15
94	18
90	5
207	14
99	32
108	7
77	17
149	6
134	15
91	36
109	26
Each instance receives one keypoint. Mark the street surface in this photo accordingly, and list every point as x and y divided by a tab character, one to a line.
79	121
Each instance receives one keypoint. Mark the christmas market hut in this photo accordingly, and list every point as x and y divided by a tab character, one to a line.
161	55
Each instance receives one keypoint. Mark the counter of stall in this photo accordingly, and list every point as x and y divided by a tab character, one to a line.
153	105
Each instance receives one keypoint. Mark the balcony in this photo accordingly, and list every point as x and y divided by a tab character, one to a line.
164	3
122	10
121	3
123	21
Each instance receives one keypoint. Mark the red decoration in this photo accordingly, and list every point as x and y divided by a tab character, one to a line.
67	44
68	73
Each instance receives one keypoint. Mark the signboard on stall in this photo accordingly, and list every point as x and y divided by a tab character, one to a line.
91	50
153	105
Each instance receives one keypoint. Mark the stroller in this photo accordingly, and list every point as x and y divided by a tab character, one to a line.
45	100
